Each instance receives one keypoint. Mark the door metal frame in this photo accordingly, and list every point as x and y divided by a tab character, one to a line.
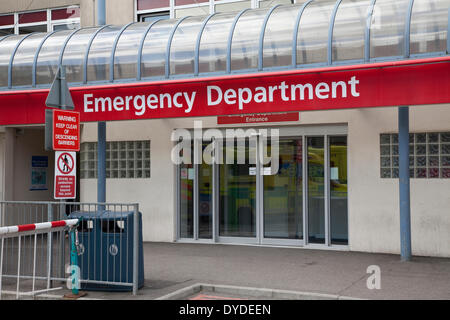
326	194
302	132
305	191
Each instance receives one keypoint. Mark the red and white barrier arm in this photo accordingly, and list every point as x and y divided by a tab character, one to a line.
38	226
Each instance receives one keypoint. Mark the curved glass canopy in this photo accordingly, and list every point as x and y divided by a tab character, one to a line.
308	34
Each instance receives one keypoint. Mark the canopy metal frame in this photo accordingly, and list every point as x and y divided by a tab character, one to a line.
86	55
11	59
36	56
260	55
113	51
197	44
141	48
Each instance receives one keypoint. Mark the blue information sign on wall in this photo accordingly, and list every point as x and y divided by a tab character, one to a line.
39	166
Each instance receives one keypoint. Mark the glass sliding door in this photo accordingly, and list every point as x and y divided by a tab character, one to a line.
316	189
338	190
299	197
237	190
283	192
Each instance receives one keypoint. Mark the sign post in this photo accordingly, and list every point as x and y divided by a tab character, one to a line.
62	134
59	95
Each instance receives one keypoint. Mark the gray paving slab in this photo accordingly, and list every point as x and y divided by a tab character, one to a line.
173	266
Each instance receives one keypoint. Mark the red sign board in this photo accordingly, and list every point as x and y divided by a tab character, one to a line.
65	187
65	175
387	84
258	118
66	130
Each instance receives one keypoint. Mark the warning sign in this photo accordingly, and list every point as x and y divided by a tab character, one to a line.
66	130
65	175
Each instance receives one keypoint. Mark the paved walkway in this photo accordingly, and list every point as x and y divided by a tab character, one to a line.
172	266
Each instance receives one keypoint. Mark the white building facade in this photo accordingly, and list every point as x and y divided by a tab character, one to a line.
336	186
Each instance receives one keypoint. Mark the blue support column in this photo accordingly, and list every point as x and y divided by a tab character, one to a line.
404	186
101	12
403	149
101	129
448	32
101	162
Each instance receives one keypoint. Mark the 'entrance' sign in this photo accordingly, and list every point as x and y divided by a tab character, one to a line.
258	118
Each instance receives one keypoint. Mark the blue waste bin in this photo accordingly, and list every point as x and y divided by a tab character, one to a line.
106	249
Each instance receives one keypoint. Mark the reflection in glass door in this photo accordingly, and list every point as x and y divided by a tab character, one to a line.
283	192
338	190
316	190
237	190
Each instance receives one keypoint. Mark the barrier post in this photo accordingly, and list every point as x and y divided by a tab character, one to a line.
74	262
74	268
